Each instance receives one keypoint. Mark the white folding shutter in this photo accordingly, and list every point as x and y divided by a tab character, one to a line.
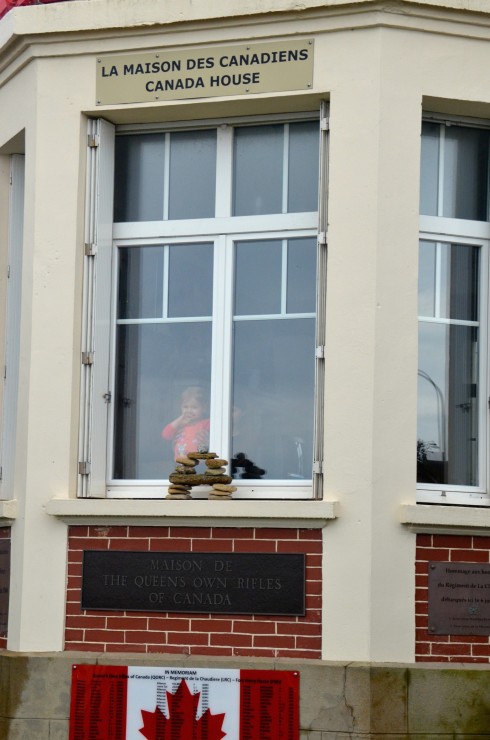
96	313
321	300
12	329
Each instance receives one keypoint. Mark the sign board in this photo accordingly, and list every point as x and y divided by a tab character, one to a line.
459	598
218	583
4	585
126	703
204	72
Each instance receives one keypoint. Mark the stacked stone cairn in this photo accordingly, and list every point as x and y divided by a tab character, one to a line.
185	477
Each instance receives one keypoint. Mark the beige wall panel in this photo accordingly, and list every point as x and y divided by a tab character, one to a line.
47	433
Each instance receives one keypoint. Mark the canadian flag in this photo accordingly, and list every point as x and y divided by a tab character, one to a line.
132	703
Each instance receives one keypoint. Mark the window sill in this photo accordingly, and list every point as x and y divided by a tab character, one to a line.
8	511
194	513
445	519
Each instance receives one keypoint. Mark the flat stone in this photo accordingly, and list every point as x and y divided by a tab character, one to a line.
182	479
215	471
186	461
212	480
216	463
178	496
184	470
202	455
224	488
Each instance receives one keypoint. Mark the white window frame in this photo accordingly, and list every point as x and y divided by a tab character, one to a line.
445	230
104	239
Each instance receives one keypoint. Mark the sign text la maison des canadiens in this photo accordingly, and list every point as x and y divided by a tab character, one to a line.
205	72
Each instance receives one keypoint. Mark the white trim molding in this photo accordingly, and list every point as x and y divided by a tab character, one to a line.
433	519
8	511
238	513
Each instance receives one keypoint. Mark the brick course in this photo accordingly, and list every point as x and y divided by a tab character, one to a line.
194	634
446	648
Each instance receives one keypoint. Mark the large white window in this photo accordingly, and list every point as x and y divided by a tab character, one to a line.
452	456
201	323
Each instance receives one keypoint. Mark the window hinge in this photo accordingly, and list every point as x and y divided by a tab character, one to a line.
5	372
90	249
87	358
324	124
107	397
93	141
320	352
8	272
1	473
322	238
84	468
317	467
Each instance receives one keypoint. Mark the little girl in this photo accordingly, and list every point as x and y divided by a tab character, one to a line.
189	431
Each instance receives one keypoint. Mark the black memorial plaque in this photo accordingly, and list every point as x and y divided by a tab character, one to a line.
220	583
459	598
4	585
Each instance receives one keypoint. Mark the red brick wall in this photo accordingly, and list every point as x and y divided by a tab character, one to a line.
195	634
446	648
4	535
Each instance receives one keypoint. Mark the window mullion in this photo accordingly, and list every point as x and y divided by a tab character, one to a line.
285	169
166	261
483	369
284	276
440	174
166	178
221	352
224	171
438	279
112	363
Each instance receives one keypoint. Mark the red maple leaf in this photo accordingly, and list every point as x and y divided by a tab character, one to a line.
182	722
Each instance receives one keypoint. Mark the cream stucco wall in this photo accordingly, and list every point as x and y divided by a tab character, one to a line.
376	65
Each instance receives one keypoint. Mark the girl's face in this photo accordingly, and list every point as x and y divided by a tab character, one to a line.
192	410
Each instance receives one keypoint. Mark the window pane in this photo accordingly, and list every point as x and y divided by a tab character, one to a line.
427	279
301	281
459	282
138	180
303	166
192	174
140	282
272	416
465	173
258	170
157	368
190	288
448	281
258	273
429	169
447	435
